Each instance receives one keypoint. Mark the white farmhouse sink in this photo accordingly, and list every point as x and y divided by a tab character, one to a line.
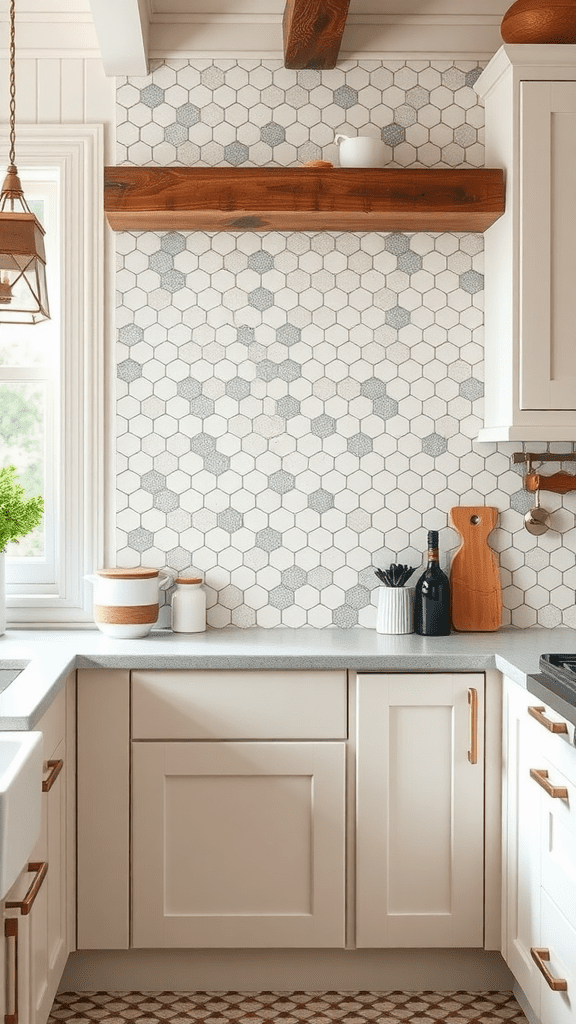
20	801
10	672
7	676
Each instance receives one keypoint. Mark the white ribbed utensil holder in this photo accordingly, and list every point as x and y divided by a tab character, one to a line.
395	610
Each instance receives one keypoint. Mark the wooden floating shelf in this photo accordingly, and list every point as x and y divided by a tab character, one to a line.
302	198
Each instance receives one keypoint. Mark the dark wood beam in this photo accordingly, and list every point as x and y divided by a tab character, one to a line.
302	198
313	32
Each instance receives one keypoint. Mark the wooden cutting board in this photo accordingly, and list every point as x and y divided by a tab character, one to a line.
475	589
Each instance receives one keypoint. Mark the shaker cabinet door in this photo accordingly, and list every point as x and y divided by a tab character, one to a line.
48	922
547	246
420	810
48	925
521	839
529	97
238	844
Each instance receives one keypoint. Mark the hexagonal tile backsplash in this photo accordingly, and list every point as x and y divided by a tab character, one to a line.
297	408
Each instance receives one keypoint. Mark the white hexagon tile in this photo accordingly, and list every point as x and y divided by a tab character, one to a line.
297	408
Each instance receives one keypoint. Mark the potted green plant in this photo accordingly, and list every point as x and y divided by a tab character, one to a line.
18	517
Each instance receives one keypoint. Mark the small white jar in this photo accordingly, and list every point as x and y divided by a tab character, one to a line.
189	605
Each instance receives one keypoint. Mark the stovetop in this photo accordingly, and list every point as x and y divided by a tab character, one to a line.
556	684
559	670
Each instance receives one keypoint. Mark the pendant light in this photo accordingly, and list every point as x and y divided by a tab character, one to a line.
23	293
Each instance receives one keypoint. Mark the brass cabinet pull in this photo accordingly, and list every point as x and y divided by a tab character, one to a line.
538	714
25	906
540	775
473	702
55	769
541	958
11	933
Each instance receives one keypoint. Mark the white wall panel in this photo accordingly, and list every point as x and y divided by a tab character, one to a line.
72	90
49	91
59	91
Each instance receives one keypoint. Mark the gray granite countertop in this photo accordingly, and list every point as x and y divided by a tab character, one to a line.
49	655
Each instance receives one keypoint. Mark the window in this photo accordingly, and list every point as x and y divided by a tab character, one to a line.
29	378
52	382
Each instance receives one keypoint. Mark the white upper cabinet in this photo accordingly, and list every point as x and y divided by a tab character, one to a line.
530	252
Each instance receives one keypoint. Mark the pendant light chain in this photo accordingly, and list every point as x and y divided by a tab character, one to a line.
12	187
23	291
12	156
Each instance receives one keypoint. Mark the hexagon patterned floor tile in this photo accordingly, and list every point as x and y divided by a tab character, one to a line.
288	1007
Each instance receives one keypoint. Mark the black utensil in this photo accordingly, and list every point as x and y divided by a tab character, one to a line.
396	575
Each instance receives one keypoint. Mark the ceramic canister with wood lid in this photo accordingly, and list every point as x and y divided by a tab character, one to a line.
126	601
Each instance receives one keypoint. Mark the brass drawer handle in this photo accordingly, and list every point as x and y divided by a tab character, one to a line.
11	933
541	958
538	714
55	769
540	775
473	702
25	906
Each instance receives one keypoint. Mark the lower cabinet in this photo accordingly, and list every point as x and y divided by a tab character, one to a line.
229	827
238	844
539	855
238	809
420	810
37	908
521	841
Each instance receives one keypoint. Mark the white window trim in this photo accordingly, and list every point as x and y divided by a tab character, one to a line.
36	575
78	152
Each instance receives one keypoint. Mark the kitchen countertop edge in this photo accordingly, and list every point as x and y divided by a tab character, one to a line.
50	655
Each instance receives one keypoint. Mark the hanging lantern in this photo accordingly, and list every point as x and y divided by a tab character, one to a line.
23	292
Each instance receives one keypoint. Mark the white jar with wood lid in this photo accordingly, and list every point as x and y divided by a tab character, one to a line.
126	601
189	605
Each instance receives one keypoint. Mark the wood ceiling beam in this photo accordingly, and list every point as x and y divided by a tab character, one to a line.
313	32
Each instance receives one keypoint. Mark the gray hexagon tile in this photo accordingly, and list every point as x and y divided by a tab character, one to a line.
255	112
296	408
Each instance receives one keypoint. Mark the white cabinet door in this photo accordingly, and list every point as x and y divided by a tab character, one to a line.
558	1004
521	836
419	810
17	949
48	924
529	94
49	917
238	844
548	246
539	855
37	910
558	865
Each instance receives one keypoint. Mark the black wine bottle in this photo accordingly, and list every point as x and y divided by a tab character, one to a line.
432	595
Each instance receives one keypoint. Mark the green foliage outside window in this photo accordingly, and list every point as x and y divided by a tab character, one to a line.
18	515
21	441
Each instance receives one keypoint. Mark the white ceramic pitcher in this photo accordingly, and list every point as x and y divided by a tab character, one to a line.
126	601
360	151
